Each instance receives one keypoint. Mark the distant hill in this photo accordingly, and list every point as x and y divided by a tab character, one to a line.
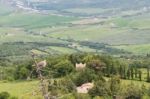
64	4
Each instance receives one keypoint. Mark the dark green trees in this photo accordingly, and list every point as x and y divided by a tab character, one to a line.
63	68
4	95
100	89
148	74
115	85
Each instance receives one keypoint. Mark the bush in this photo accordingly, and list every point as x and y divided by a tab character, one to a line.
10	79
13	98
68	85
4	95
101	88
133	92
114	85
21	72
63	68
81	96
85	76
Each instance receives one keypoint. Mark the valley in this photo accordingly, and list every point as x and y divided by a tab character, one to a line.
111	38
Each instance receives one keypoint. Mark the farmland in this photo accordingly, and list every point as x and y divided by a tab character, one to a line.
29	27
25	89
111	38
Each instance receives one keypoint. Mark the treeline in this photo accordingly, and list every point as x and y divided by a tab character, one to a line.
22	48
125	68
104	71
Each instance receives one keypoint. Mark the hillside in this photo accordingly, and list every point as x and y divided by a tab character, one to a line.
105	26
74	49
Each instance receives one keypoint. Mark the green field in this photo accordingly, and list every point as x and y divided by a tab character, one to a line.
88	11
136	49
21	89
24	89
23	26
115	31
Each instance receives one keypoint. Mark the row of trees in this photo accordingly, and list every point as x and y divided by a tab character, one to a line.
64	64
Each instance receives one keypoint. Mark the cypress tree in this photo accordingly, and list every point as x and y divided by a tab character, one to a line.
136	71
128	74
148	74
132	73
124	72
121	71
140	75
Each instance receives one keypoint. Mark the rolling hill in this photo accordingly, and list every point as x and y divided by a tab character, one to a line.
48	27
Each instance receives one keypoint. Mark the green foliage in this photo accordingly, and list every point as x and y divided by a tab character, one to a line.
61	86
84	76
63	68
13	98
76	58
4	95
22	72
96	65
133	92
82	96
140	75
101	88
115	84
148	74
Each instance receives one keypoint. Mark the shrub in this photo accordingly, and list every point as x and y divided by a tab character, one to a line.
13	97
133	92
100	88
4	95
85	76
63	68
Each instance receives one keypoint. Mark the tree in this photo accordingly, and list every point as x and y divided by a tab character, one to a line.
132	92
124	72
76	58
140	75
97	65
21	72
63	68
100	88
85	76
148	74
67	85
121	72
4	95
24	73
128	74
136	72
132	73
114	85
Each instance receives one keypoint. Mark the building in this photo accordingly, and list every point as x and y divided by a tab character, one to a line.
80	66
84	88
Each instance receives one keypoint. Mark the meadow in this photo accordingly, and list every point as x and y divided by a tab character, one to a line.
81	35
123	33
20	89
25	89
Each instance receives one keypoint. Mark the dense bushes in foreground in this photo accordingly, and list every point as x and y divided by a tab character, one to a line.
6	95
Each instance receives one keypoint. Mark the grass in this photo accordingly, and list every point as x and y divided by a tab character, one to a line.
136	49
86	33
63	50
20	89
28	27
24	89
88	10
33	20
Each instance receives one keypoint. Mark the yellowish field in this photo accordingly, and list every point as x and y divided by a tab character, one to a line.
27	89
22	90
